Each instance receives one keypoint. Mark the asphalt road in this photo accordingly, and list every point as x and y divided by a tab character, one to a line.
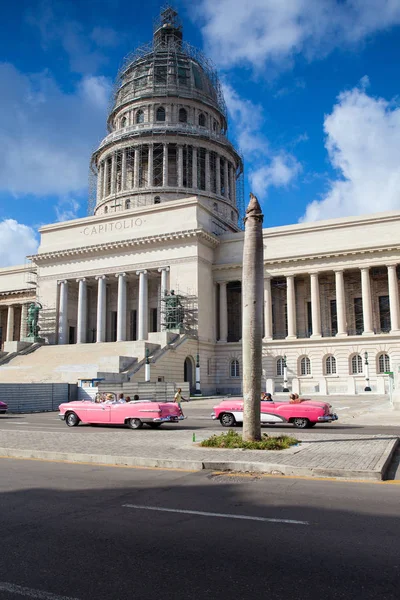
83	532
198	418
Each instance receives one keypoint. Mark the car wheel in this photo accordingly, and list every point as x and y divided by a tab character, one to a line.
72	420
155	425
134	423
227	420
301	423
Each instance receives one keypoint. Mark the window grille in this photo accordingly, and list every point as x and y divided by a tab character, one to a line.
330	365
356	365
235	370
305	366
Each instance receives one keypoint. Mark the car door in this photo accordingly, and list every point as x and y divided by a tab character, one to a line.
98	413
269	413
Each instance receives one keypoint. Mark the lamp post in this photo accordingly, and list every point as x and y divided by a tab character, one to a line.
198	388
366	373
147	367
285	387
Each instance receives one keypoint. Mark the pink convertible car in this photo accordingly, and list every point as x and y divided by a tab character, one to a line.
304	414
133	414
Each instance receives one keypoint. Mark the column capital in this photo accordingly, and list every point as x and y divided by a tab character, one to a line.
160	269
314	274
339	270
392	266
364	269
62	281
120	274
80	279
144	271
100	277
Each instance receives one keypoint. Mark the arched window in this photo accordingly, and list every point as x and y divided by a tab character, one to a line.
383	363
279	366
123	122
160	114
215	125
140	116
234	368
157	200
305	366
356	365
202	120
182	115
106	209
127	204
330	365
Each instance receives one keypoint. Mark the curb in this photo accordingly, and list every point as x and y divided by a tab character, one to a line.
212	465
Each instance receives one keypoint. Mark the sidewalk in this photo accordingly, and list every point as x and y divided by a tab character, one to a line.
319	455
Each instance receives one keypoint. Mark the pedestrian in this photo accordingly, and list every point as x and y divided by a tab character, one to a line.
178	399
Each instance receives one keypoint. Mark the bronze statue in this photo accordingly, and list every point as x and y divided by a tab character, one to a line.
174	313
33	318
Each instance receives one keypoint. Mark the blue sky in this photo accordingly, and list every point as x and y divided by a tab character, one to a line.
311	87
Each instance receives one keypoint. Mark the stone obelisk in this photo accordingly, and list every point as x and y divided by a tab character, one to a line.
252	318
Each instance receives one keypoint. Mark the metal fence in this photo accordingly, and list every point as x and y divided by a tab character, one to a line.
35	397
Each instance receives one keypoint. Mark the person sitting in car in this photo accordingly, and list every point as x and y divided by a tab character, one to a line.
266	397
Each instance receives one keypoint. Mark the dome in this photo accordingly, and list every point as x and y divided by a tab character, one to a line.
167	67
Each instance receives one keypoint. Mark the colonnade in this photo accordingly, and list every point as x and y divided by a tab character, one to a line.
11	321
101	312
340	297
148	165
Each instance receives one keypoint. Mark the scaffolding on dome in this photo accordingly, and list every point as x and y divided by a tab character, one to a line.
179	312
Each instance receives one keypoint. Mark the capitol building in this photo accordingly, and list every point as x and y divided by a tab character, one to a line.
165	228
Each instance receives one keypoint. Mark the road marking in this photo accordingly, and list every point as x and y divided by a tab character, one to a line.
30	593
342	407
212	514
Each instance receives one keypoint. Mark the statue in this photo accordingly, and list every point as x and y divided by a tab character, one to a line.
174	313
33	318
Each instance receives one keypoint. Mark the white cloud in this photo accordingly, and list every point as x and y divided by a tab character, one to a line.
279	172
48	135
363	144
275	31
16	242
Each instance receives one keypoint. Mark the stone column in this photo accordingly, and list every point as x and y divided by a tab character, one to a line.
63	313
207	172
223	312
267	309
163	288
121	311
101	308
232	183
123	170
150	179
218	175
340	304
165	165
113	173
136	168
22	327
10	324
226	179
315	306
82	312
194	167
100	181
393	299
366	301
143	312
180	166
291	307
105	177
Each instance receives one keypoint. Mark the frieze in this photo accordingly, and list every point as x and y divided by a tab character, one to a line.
111	226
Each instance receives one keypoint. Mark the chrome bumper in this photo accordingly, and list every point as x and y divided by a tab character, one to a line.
62	417
213	416
168	419
328	418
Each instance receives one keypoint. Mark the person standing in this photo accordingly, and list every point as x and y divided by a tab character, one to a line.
178	399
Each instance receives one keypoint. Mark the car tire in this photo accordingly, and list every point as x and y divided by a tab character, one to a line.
155	425
227	420
72	419
301	423
134	423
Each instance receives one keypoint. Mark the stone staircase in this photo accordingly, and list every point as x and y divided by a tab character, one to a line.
68	363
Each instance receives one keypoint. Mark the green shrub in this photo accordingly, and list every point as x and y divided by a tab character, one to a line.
232	439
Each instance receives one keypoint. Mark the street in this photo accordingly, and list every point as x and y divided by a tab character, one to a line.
83	532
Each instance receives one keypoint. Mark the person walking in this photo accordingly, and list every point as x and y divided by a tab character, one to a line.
178	399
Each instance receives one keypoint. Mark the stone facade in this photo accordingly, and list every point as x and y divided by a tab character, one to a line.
166	218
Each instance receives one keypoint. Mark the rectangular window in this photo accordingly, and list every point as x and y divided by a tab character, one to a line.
153	319
384	313
358	316
309	319
114	326
334	328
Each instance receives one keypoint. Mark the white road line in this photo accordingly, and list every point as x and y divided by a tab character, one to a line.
211	514
30	593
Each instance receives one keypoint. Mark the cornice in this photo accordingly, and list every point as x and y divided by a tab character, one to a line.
177	236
